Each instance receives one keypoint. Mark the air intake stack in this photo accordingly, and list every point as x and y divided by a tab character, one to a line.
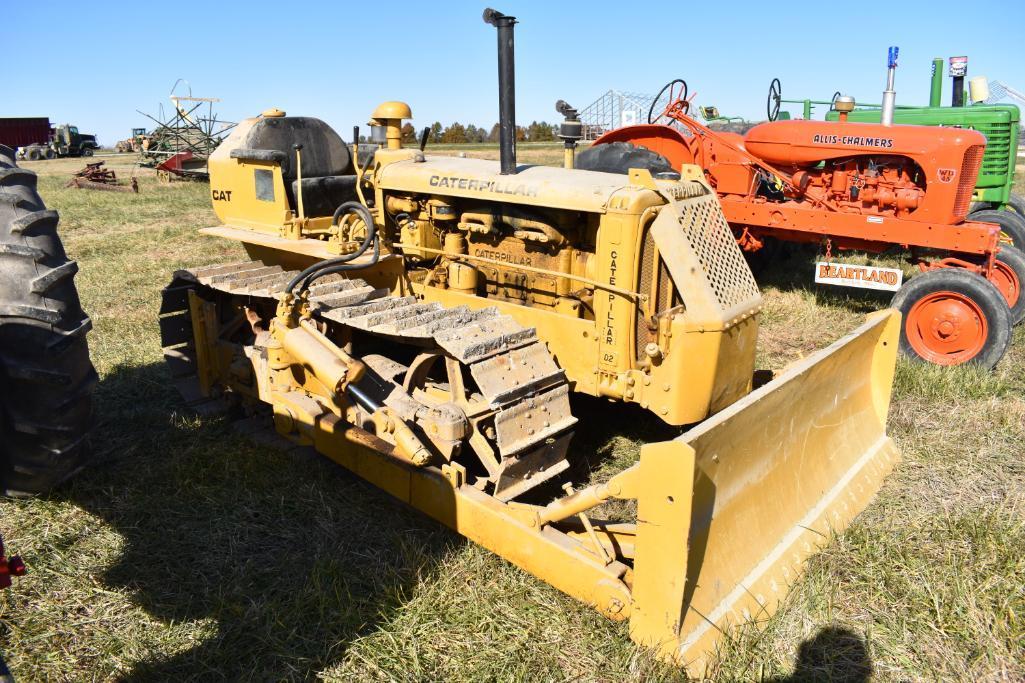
889	96
506	88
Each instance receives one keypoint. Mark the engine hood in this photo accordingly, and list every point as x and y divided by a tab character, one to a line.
548	186
805	143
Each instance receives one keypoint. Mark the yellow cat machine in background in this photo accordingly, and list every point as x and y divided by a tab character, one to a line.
422	320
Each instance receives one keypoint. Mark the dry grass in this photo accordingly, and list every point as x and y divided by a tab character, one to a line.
190	553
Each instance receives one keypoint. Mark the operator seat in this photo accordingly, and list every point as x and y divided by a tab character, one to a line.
329	178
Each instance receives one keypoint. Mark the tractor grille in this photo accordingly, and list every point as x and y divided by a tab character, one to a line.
665	297
997	159
712	240
966	181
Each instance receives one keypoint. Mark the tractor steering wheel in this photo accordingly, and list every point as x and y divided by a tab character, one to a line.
677	100
775	97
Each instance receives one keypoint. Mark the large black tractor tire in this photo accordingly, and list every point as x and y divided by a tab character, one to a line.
1016	203
46	378
620	157
1012	224
953	317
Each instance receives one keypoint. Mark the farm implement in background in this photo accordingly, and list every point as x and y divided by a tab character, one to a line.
179	145
95	177
185	165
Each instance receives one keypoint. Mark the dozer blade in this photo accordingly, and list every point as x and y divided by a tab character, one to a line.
773	476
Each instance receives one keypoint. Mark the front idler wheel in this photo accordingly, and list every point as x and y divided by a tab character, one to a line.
953	317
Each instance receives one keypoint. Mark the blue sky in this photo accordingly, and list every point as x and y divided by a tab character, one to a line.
336	61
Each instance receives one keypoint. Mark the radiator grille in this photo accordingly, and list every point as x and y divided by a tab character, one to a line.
665	298
966	181
997	157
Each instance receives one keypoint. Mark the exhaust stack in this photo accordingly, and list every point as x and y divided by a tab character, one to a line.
936	84
889	96
506	88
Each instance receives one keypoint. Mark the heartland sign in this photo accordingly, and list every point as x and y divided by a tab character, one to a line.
866	277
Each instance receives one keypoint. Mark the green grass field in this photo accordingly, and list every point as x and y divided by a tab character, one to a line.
188	552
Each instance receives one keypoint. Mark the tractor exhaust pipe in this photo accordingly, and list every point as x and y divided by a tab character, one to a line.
889	96
506	88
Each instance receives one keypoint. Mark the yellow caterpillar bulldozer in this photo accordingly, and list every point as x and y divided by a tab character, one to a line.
422	320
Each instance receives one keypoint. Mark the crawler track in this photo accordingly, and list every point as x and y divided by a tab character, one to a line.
521	396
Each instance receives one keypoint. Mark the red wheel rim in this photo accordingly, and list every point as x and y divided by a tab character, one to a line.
946	328
1006	280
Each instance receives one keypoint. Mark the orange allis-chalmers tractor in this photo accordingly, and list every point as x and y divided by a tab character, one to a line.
846	185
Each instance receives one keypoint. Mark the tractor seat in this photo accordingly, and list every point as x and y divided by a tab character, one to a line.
329	178
709	113
323	194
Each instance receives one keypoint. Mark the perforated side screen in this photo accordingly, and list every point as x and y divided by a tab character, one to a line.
705	227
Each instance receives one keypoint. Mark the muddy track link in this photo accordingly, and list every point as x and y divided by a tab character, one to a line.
513	370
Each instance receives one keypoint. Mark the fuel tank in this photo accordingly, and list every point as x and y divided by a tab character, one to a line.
806	143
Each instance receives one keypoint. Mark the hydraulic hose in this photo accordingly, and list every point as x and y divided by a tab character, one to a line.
342	267
306	276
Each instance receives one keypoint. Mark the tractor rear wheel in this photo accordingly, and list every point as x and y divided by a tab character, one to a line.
1016	203
620	157
46	378
953	317
1009	277
1012	225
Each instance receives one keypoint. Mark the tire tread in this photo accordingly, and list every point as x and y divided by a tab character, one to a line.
46	377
